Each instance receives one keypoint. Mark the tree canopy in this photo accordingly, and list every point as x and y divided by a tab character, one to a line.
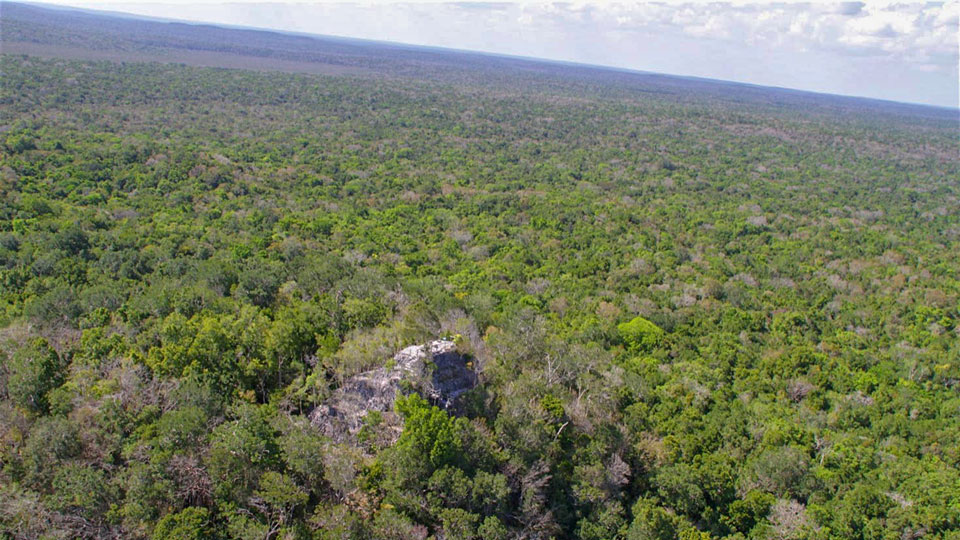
692	314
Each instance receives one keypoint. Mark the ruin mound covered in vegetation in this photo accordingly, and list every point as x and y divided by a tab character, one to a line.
434	370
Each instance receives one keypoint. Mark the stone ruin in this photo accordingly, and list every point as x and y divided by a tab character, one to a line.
435	370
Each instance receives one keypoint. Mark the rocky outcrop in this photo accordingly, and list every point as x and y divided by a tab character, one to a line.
435	370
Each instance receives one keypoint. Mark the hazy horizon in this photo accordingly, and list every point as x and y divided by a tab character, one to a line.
904	53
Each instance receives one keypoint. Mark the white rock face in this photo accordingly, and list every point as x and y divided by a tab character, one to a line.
435	370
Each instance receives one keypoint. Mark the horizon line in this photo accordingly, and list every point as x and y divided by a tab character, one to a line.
439	48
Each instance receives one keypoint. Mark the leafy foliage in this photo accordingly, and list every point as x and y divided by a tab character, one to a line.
695	312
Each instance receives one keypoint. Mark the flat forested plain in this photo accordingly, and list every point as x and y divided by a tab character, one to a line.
696	309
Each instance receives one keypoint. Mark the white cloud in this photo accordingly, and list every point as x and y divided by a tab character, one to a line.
907	32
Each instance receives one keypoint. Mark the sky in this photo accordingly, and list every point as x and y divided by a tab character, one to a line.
906	52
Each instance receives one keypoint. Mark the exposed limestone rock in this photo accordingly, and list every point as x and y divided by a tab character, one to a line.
435	370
